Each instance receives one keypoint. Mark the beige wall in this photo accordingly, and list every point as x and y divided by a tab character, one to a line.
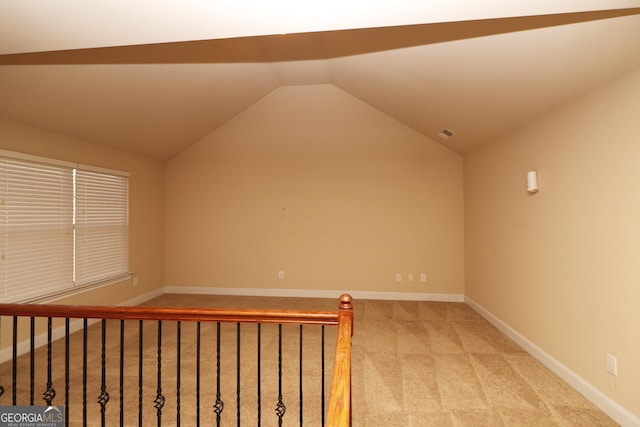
146	209
313	182
562	267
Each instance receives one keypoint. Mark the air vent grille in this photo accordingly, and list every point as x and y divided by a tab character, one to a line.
446	134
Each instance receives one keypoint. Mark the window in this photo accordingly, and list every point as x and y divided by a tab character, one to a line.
62	226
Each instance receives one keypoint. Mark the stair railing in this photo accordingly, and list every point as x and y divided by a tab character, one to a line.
337	409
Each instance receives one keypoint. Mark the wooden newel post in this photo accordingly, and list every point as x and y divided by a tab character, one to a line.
339	414
345	309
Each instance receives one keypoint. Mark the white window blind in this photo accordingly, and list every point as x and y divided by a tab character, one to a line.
36	210
101	227
60	227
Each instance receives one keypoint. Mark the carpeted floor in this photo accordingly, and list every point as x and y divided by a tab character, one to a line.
414	364
439	364
442	364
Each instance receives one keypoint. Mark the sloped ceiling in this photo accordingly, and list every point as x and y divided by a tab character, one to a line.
480	78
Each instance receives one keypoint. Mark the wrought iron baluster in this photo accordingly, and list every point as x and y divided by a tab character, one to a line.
103	398
322	395
14	378
85	327
178	336
50	392
140	366
259	374
280	407
238	372
67	355
300	376
198	344
32	360
121	373
159	401
218	407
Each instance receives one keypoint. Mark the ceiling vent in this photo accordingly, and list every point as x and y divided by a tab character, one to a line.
446	134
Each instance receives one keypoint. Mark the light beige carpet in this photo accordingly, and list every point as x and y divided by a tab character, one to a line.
442	364
414	364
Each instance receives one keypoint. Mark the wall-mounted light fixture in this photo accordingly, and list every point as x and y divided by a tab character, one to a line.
532	182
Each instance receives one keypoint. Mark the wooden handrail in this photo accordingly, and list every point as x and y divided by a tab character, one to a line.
241	315
339	413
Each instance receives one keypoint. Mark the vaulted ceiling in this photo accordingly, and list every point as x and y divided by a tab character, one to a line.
122	80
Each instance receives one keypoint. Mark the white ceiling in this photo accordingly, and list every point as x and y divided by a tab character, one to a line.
481	78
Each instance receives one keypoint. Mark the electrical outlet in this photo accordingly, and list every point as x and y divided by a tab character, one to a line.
398	277
410	277
612	365
281	275
423	277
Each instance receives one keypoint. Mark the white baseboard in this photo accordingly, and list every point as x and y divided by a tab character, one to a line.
598	398
304	293
144	298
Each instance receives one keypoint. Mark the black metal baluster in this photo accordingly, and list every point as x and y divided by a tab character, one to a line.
121	373
218	407
67	334
178	333
300	377
280	408
140	366
14	378
84	372
50	392
103	398
1	386
159	401
259	374
238	373
322	376
32	360
198	374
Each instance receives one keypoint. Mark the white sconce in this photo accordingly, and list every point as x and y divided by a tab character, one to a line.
532	182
